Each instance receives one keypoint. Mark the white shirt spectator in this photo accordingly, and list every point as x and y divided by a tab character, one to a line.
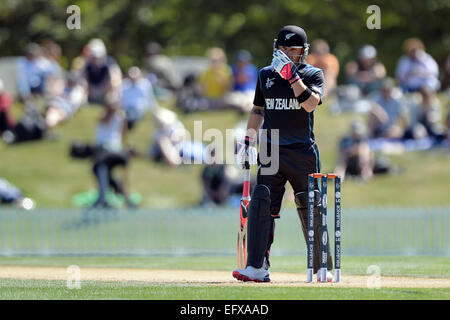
137	98
413	74
109	135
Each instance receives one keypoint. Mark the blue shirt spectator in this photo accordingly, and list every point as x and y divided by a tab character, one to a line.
388	109
33	70
245	74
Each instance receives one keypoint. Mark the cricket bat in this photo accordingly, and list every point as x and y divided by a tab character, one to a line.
243	210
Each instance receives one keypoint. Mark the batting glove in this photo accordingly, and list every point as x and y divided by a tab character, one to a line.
247	151
284	66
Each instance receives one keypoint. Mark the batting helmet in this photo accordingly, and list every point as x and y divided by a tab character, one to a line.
295	37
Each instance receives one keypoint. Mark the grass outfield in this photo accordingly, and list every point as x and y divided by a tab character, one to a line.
425	267
38	289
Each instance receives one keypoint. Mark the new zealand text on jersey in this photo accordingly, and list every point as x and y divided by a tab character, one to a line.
282	104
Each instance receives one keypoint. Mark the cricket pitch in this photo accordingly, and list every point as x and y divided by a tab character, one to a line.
210	278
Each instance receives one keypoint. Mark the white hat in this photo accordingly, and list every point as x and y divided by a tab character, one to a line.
97	48
164	116
367	52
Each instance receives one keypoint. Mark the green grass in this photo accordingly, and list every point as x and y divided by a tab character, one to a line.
57	289
46	173
38	289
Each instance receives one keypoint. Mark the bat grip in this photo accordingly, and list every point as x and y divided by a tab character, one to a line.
246	189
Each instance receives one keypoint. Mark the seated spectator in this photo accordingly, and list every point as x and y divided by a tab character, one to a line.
355	157
220	182
211	90
11	195
102	73
367	72
321	57
110	153
63	99
161	67
170	141
137	96
417	70
32	72
30	127
217	79
387	111
6	100
190	97
245	74
426	115
51	52
216	184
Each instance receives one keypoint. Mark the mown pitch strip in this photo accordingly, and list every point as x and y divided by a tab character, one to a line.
210	278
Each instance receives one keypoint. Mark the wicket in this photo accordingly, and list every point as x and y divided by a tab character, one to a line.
337	226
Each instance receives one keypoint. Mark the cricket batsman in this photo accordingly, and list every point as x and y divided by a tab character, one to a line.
287	93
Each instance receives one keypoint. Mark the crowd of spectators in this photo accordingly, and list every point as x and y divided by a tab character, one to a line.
220	86
397	110
403	114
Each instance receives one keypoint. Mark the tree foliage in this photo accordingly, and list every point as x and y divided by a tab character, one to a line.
191	26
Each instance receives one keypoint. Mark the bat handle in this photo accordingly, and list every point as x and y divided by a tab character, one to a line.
246	164
246	190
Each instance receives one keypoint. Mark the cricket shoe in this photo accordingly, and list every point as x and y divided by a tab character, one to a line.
254	274
329	277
